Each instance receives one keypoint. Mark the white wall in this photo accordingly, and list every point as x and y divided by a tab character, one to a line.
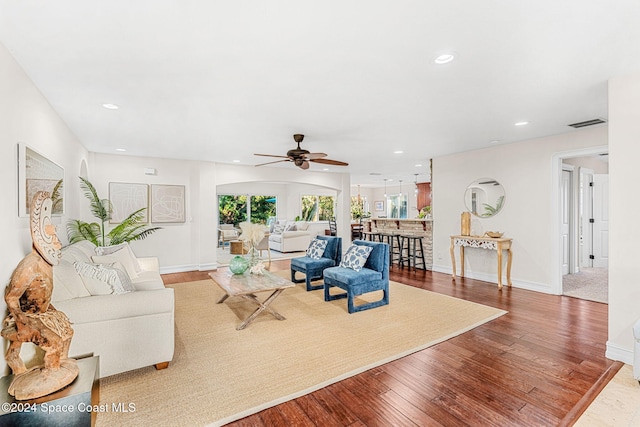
192	245
27	117
526	170
624	228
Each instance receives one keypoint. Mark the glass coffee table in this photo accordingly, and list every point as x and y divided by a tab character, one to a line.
247	285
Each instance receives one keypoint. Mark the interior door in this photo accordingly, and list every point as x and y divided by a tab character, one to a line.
601	220
585	238
565	223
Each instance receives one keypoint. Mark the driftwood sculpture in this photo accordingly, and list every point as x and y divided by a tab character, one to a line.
32	318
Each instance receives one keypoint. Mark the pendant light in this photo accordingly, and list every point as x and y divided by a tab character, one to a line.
385	187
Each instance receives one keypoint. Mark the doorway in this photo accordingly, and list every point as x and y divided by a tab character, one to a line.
584	226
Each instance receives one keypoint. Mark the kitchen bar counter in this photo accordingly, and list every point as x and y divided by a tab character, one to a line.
408	226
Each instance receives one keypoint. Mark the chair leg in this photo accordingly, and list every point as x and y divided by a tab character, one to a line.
310	287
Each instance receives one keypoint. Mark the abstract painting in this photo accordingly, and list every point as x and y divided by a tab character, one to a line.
127	198
167	203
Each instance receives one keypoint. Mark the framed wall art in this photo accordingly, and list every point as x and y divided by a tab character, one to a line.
378	205
37	173
127	198
167	203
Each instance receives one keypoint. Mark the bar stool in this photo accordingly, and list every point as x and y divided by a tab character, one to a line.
395	247
413	246
372	236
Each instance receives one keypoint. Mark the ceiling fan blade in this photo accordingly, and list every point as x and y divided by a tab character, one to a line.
270	155
330	162
304	165
277	161
312	156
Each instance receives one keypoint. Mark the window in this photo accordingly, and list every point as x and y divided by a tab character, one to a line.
262	207
234	209
317	208
397	206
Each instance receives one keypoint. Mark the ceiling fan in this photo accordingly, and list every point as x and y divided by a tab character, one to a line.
301	157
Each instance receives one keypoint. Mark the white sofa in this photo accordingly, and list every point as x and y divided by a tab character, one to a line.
290	236
127	330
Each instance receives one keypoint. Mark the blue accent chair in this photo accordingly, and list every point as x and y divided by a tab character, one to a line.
313	268
374	276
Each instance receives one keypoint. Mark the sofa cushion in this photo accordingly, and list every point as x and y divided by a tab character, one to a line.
75	253
95	276
302	225
108	250
123	256
278	229
86	247
351	277
67	284
100	308
305	263
356	257
148	281
316	248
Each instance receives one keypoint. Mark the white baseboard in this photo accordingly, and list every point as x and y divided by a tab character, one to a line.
191	267
615	352
491	278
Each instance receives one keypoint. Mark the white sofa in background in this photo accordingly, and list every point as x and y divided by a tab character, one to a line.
290	236
127	330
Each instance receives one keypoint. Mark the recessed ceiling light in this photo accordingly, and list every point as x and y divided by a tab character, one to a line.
236	161
325	169
418	165
110	106
120	149
444	58
495	141
398	152
521	123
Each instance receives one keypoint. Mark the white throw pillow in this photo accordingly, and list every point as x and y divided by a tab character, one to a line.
316	248
108	250
66	282
104	279
356	257
123	256
278	229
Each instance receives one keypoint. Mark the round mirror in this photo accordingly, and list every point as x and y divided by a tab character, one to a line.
484	197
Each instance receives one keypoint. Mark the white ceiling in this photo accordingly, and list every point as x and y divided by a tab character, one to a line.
213	80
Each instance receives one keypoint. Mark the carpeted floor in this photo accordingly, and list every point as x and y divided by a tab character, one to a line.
617	405
590	283
220	374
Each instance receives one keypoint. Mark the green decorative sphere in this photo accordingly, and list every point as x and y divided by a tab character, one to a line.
238	264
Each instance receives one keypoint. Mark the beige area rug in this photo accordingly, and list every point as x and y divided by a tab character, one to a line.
220	374
617	405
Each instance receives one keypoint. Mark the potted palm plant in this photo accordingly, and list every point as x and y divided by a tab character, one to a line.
130	229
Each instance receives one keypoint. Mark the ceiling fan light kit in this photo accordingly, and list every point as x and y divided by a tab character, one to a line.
301	157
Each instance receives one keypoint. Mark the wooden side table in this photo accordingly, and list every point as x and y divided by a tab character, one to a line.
75	405
236	247
491	243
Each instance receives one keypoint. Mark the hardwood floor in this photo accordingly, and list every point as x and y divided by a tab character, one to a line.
535	366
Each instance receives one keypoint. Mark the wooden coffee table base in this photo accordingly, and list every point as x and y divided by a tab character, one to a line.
262	306
247	286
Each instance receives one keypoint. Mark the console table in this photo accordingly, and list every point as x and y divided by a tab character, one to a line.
491	243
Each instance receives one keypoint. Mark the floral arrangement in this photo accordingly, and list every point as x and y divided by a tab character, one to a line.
252	233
